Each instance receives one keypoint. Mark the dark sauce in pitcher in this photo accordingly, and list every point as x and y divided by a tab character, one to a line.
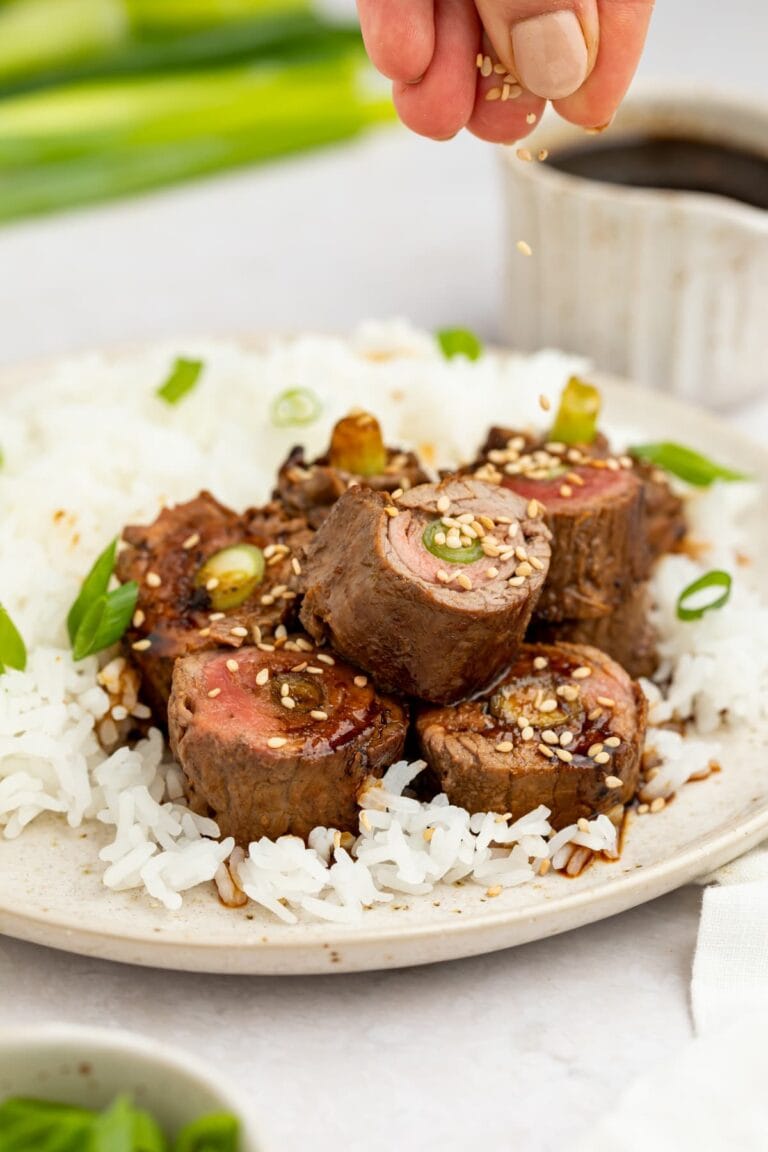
680	164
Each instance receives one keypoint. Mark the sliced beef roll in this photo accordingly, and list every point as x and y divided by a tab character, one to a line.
271	744
208	577
626	634
430	592
564	728
357	455
665	523
595	510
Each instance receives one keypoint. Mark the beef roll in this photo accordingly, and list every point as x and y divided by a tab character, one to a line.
208	577
271	744
564	728
431	592
357	455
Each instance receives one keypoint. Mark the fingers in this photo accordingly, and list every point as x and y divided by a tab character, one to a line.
503	111
441	104
551	46
399	36
623	28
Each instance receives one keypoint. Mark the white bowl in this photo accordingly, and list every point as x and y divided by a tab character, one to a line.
668	288
91	1066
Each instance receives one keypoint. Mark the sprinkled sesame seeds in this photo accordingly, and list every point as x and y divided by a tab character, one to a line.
214	692
214	616
296	566
464	581
595	714
138	618
313	670
544	867
287	702
443	504
543	154
397	493
285	690
566	491
527	733
531	118
360	681
568	692
564	755
204	632
300	667
606	702
493	94
191	541
642	809
522	245
141	645
494	890
238	630
549	737
658	804
566	738
516	581
548	705
534	508
524	154
262	677
153	580
612	742
505	746
594	749
303	645
524	569
119	712
499	69
267	600
265	647
276	742
442	576
318	714
486	66
232	665
581	673
491	573
545	751
210	585
479	60
613	782
582	824
324	658
390	511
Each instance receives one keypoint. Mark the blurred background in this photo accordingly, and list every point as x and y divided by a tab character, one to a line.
171	166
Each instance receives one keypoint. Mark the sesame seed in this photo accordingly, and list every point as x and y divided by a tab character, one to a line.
427	834
267	600
545	751
191	541
443	504
360	681
314	671
564	755
524	569
464	581
443	576
499	69
595	750
549	737
603	758
613	782
232	665
494	890
210	585
214	692
566	738
214	616
262	677
521	553
141	645
318	714
324	658
513	530
595	714
138	618
390	511
522	721
612	742
527	733
300	667
544	867
522	245
505	746
582	824
543	153
265	647
516	581
153	580
479	60
642	809
276	742
119	712
204	632
530	118
397	493
533	509
581	673
493	94
486	68
296	566
658	804
549	705
238	630
566	491
606	702
285	690
287	702
303	645
568	692
491	573
524	154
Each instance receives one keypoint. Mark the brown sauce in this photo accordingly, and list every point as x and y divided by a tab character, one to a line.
679	164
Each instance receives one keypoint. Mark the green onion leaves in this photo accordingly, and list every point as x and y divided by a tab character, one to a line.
459	342
181	380
295	406
685	463
578	414
98	617
13	650
691	605
43	1126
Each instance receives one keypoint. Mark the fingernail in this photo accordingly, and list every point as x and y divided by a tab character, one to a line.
550	54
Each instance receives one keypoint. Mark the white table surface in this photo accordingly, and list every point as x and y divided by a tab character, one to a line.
521	1049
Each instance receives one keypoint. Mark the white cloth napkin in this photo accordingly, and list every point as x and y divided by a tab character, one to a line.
711	1097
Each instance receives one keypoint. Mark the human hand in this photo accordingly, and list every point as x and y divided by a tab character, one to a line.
580	54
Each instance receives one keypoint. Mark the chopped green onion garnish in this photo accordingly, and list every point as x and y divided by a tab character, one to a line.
181	380
98	618
216	1133
712	580
357	445
685	463
578	414
295	406
231	575
13	650
468	555
459	342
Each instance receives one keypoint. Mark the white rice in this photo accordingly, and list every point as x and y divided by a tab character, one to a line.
89	448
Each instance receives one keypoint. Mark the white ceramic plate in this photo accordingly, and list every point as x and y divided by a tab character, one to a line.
51	893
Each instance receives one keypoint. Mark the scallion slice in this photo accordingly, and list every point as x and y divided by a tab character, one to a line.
181	380
13	650
95	585
467	555
685	463
218	1132
714	580
295	406
98	617
459	342
578	414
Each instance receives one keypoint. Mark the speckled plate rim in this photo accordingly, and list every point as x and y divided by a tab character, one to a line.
329	948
